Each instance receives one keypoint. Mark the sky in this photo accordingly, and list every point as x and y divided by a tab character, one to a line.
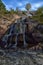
21	4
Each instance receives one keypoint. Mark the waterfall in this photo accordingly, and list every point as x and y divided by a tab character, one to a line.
15	36
13	31
16	30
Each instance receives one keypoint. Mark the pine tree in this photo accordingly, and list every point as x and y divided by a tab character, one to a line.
2	7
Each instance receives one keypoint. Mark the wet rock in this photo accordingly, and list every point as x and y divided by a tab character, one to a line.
2	53
11	40
29	38
30	34
20	41
2	44
40	27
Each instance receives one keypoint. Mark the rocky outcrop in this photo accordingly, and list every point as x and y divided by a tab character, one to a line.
5	23
40	27
29	37
20	41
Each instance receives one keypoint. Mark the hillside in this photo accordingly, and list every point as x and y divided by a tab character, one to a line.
6	21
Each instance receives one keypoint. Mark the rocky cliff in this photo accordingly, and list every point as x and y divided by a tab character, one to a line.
26	35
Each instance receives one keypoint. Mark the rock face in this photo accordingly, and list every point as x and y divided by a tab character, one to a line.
20	41
2	44
40	27
5	22
23	33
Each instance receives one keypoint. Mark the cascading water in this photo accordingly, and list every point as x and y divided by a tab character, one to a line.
16	35
15	29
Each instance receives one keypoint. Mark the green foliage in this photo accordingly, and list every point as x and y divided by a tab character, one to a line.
39	11
41	18
5	12
39	15
11	11
24	12
2	7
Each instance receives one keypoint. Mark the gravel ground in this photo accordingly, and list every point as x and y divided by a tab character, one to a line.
20	58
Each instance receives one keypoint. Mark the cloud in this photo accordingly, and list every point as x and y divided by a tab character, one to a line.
36	5
20	4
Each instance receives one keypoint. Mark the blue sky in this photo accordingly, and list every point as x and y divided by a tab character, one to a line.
21	4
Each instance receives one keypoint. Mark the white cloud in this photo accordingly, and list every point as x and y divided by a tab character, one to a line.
22	4
19	4
36	5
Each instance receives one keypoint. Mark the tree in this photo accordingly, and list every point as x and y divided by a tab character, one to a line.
39	11
28	6
2	7
39	14
11	11
17	9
